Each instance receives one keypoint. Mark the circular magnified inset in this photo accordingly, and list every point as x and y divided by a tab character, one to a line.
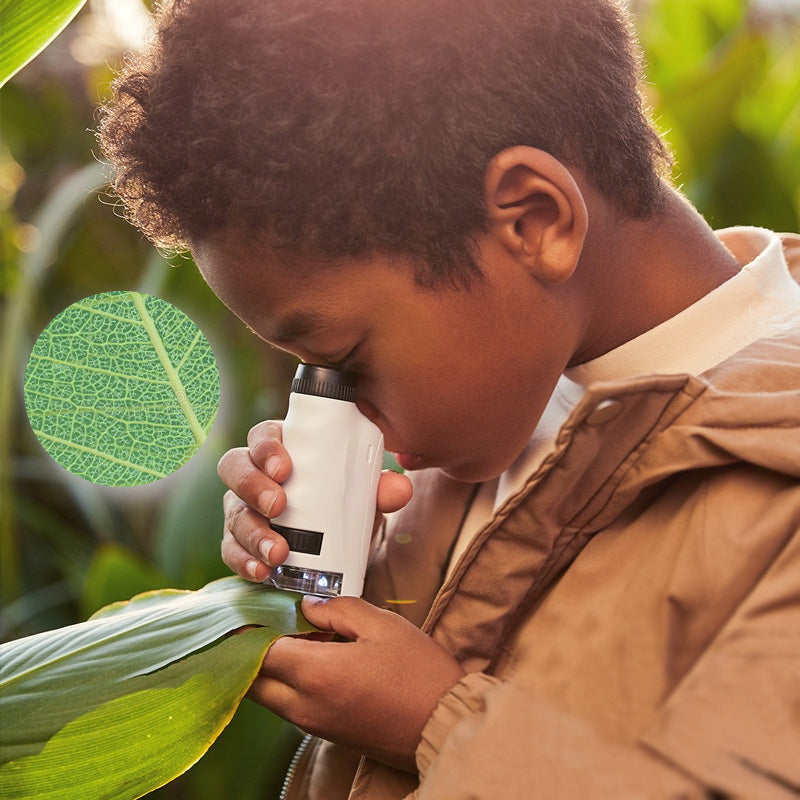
121	388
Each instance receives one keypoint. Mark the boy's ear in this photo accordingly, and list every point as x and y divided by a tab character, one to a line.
536	210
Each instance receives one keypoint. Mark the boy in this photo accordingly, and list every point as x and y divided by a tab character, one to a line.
596	397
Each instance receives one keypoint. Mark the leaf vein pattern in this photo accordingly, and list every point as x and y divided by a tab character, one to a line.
100	370
188	352
107	456
174	378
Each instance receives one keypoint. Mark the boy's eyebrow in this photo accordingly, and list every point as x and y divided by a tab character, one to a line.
298	324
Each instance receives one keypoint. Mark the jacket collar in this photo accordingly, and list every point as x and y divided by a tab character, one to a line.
540	529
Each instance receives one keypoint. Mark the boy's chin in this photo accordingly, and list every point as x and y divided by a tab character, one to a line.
473	472
408	461
465	471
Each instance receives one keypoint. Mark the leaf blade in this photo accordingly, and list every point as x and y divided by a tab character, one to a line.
28	27
60	687
133	744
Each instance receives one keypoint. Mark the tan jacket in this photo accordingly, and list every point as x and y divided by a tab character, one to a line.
630	619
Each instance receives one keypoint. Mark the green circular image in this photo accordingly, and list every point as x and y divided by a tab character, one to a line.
121	388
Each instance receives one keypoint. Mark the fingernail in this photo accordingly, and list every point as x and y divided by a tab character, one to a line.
265	548
273	465
266	500
313	600
252	567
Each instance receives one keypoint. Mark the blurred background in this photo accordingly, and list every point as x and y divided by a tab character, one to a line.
724	81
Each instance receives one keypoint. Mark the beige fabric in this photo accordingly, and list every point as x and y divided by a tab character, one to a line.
630	618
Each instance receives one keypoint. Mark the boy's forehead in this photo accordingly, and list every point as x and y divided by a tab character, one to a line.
249	282
282	299
294	325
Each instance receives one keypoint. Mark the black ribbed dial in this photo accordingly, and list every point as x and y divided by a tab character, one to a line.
324	382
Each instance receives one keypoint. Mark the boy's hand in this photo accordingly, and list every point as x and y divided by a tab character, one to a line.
374	692
254	475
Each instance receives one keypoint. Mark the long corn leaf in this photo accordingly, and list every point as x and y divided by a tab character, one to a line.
121	704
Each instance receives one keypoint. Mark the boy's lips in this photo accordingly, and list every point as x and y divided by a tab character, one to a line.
408	460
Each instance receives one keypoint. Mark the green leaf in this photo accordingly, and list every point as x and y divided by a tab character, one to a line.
116	706
28	26
115	573
270	743
121	388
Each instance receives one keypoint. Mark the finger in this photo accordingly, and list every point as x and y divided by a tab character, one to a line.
394	491
241	561
350	617
273	694
299	662
287	702
246	529
265	443
247	481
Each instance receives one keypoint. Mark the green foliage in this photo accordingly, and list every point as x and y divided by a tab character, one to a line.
121	388
121	704
114	573
28	27
725	86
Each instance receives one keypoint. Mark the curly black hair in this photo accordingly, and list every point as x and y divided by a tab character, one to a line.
341	128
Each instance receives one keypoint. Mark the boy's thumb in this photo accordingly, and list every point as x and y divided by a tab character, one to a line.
347	616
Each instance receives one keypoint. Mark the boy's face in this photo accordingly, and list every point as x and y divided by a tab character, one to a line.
455	379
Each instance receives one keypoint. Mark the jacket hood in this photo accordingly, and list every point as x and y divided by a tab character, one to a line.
746	410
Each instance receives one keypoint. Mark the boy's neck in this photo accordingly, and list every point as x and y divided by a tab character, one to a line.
639	273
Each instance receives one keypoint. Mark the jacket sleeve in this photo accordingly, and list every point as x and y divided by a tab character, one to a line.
488	736
730	728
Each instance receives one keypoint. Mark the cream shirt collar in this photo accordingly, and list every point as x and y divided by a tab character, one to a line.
761	300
